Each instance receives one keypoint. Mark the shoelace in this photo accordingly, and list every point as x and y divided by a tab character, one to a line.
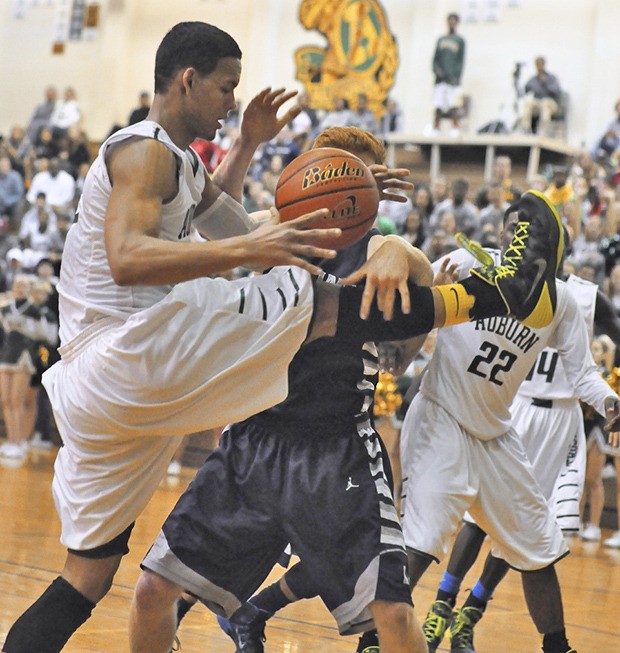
434	625
463	632
514	253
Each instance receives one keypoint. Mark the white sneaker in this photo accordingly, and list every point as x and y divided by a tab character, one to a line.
174	468
14	450
13	454
614	541
429	130
591	533
455	132
609	471
37	442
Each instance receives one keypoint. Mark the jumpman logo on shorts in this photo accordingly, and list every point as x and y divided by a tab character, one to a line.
350	484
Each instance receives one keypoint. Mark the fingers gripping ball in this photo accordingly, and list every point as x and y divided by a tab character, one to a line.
327	177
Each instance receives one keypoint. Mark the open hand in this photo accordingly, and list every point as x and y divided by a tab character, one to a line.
386	273
389	180
612	413
260	122
290	243
446	274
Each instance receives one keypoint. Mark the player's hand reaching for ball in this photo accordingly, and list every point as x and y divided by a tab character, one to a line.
289	243
612	413
260	122
389	180
391	263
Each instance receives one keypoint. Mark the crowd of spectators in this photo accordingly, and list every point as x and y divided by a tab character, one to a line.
43	163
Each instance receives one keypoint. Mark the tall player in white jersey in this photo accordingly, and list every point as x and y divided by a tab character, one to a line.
460	453
153	349
547	416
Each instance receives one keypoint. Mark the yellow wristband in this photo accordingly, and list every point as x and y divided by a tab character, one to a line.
458	302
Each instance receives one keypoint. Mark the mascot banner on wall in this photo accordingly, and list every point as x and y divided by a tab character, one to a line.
361	54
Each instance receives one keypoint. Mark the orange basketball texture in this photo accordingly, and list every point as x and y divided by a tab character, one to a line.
329	178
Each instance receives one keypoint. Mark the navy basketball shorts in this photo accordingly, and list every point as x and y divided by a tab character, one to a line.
329	497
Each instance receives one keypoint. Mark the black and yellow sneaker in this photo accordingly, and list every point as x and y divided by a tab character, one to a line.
436	623
368	642
526	277
462	629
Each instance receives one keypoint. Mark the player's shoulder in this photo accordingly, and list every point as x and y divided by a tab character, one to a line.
566	302
573	279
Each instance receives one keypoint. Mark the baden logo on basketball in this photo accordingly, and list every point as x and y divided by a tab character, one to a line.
318	174
332	179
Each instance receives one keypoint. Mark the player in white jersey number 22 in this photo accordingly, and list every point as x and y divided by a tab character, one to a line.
460	453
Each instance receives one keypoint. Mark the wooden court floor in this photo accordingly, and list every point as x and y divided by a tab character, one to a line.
31	557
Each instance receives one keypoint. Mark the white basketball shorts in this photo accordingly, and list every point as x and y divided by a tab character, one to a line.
447	471
555	443
210	353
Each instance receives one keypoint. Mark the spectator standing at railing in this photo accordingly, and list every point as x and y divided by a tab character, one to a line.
448	63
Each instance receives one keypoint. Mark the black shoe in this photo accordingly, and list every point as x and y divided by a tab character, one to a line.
246	628
436	623
369	643
526	277
462	629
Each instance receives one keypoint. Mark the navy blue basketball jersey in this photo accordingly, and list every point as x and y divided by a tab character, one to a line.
331	384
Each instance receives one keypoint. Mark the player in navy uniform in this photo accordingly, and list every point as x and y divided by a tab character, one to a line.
146	350
310	471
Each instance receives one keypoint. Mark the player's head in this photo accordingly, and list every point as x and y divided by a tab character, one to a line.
511	219
453	21
568	250
354	140
192	45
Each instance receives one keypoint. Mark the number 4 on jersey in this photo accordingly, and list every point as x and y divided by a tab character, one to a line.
545	368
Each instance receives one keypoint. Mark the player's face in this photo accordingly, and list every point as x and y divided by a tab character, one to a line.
213	96
509	230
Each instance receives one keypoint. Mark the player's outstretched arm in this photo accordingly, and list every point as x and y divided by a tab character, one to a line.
260	123
144	177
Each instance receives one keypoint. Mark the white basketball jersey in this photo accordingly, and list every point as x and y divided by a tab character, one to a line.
478	366
86	288
547	379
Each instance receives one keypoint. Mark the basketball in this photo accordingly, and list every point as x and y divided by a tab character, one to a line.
329	178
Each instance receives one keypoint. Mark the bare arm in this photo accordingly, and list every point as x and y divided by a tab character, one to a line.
143	175
260	123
